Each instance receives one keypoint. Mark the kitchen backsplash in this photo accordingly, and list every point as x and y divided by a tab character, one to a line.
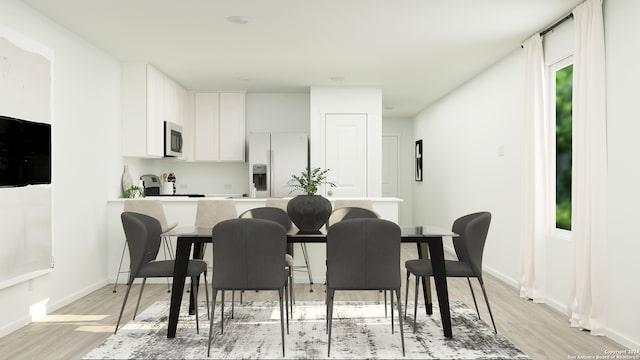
195	178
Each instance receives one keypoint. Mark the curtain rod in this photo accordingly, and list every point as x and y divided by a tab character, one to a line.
557	23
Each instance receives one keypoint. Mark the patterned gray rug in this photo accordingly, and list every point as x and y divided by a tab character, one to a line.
360	330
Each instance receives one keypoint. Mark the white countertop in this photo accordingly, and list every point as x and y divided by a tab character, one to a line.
242	199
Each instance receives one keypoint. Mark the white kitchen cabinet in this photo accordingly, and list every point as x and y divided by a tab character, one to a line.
219	126
149	98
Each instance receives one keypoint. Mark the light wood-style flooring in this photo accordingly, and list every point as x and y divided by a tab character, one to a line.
71	332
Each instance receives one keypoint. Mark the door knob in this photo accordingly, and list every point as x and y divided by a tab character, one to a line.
330	192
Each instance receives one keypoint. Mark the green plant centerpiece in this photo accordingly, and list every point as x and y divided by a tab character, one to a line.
308	211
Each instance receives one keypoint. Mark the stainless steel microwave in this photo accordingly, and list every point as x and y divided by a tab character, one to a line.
172	139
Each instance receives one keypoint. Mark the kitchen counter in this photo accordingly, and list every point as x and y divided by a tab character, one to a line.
182	209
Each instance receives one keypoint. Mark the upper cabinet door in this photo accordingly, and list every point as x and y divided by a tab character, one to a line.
155	112
219	126
232	123
149	98
207	126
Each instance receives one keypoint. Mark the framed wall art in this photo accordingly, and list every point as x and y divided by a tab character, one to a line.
419	160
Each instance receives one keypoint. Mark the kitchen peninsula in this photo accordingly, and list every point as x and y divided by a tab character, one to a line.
183	211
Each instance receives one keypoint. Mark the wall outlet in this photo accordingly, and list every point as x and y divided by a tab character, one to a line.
227	186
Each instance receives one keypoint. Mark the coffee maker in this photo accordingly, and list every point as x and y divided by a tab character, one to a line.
151	184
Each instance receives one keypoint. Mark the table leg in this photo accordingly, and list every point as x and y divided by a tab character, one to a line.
436	250
423	253
183	249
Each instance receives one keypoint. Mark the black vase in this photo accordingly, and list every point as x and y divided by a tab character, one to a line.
309	212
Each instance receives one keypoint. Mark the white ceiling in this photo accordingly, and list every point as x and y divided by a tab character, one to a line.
414	50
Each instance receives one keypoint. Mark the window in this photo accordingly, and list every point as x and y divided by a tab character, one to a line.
562	88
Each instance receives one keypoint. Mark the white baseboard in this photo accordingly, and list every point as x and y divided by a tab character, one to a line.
51	307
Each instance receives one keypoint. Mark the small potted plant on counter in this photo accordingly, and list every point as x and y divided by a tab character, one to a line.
308	211
133	192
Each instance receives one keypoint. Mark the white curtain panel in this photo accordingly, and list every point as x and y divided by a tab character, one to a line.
535	194
588	287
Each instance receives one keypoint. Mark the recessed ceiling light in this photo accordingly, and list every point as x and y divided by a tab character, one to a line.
337	78
242	78
238	19
388	107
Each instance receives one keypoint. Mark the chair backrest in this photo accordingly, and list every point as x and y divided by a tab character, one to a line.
365	204
269	213
363	254
277	202
472	232
350	212
211	212
143	239
248	254
152	208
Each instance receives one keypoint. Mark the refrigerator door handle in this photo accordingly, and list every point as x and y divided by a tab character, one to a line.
270	192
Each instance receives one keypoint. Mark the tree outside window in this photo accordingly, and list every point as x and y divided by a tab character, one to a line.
564	89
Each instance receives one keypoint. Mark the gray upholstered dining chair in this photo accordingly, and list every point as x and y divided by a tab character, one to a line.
472	232
282	204
248	256
350	212
154	209
143	234
279	216
343	212
363	254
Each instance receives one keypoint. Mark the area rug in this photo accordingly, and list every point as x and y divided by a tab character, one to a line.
360	331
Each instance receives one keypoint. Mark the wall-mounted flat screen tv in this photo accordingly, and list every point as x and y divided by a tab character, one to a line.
25	152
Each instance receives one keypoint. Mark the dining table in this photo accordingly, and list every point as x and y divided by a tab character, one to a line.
429	240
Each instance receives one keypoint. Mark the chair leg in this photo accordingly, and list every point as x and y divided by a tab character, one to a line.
406	295
286	297
124	248
385	304
167	250
291	292
486	299
305	254
135	312
473	295
222	314
330	294
385	308
194	291
206	294
415	304
281	320
399	317
213	309
124	302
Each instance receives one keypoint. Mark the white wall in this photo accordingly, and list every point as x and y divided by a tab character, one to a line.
345	100
623	127
463	171
86	167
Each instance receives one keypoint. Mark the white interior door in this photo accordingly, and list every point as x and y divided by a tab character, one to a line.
346	154
390	164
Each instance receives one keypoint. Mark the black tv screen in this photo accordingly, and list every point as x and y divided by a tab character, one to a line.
25	152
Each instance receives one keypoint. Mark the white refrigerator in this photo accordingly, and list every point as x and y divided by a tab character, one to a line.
273	158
